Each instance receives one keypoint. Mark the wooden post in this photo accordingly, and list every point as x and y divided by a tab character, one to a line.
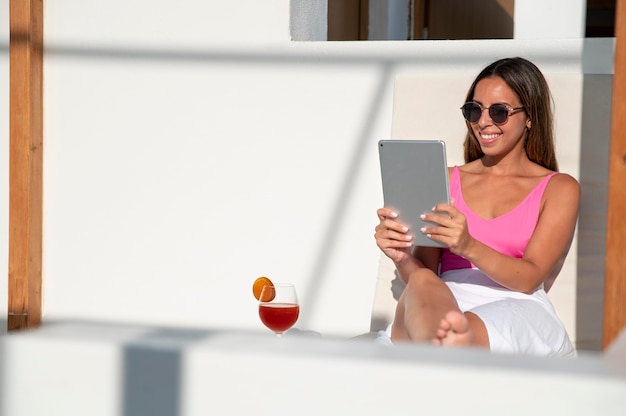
26	160
615	270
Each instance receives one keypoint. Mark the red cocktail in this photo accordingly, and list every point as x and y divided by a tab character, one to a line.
278	307
279	317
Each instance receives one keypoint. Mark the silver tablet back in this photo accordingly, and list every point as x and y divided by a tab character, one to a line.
414	178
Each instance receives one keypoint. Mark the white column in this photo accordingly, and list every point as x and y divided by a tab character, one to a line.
549	19
308	20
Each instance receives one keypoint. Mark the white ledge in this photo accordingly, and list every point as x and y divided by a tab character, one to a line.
106	369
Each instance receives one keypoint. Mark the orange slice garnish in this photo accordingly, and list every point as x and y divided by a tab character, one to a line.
257	288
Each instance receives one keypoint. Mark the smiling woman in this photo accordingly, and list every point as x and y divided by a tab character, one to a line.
506	233
509	87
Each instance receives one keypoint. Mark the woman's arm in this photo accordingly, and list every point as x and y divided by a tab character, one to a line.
546	249
423	257
393	239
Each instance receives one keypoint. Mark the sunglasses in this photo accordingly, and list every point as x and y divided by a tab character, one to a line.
499	113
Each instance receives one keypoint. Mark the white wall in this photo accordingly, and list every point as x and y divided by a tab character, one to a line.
178	169
191	149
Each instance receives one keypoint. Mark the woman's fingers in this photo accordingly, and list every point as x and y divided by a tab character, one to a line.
390	233
445	220
387	220
445	224
444	215
384	213
389	237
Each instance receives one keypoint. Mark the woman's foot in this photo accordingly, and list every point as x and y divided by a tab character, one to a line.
454	330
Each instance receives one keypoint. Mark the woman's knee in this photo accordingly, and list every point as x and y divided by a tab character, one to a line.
422	277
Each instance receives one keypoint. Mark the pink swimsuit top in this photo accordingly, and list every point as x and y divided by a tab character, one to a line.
509	233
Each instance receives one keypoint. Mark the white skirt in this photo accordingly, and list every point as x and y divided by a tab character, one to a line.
516	323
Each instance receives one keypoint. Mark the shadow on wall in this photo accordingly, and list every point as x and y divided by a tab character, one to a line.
152	366
595	139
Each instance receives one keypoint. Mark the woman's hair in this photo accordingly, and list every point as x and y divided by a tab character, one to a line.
527	81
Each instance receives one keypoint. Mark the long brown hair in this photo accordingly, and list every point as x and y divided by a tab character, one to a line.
527	81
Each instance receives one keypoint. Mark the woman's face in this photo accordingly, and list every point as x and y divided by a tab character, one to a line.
499	139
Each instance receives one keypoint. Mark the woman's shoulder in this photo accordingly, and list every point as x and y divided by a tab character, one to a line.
558	180
563	180
563	186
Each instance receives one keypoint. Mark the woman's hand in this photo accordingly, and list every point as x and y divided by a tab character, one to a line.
450	229
391	236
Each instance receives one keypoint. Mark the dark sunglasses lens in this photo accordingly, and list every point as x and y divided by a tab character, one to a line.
499	113
472	112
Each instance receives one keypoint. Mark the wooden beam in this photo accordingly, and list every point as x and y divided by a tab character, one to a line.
615	269
26	162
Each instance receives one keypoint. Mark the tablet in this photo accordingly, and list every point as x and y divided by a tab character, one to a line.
414	178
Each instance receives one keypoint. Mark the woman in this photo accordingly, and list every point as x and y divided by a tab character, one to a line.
507	230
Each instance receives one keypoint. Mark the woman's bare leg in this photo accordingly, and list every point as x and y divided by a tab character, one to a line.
428	312
423	304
